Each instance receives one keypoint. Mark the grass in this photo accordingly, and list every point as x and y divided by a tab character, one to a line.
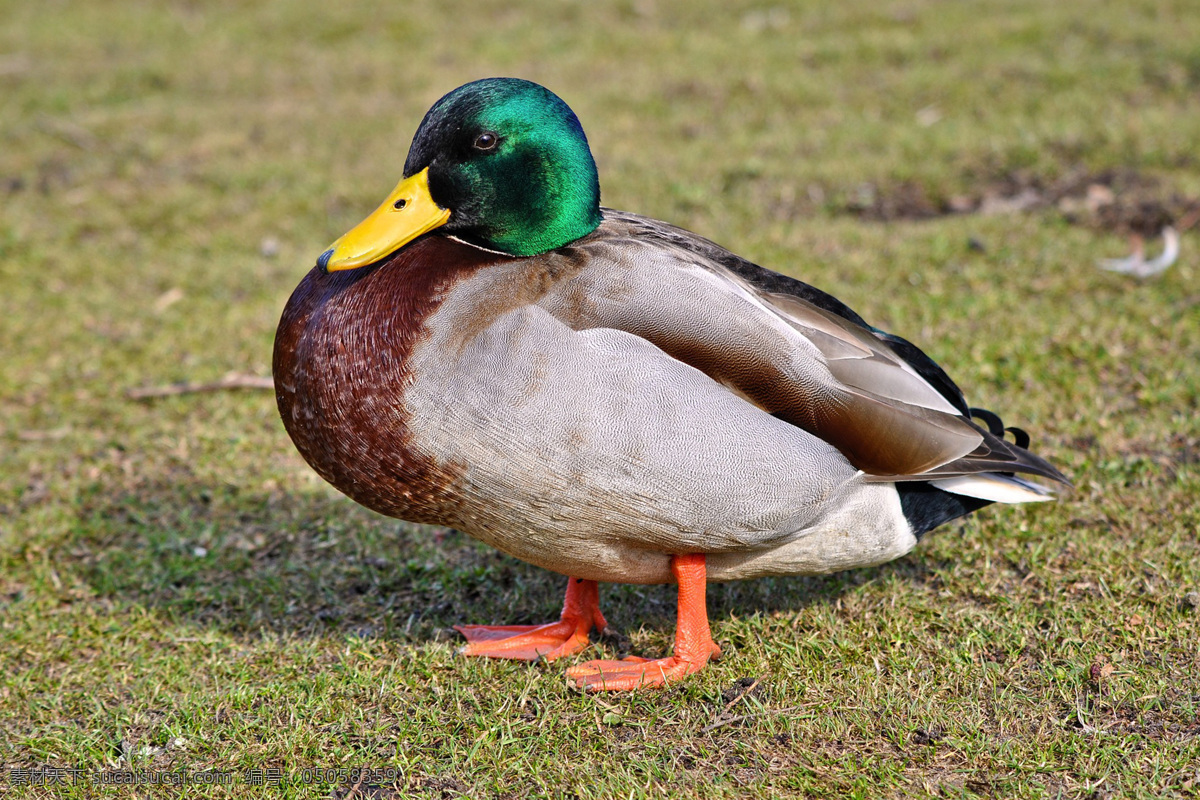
179	592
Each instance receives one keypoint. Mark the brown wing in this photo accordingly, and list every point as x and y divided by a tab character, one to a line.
878	379
805	364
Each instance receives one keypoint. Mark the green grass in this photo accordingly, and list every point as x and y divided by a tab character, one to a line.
178	591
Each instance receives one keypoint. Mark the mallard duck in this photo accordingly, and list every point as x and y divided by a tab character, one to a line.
611	397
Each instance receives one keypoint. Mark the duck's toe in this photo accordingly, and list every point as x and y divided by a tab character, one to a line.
581	613
524	642
635	673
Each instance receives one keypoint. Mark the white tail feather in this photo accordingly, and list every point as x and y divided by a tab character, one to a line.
995	487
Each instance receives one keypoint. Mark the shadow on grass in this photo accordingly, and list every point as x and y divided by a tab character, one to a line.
249	563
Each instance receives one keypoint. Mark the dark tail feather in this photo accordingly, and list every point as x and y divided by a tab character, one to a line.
926	507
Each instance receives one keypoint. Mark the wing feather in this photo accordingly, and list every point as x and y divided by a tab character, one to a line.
792	350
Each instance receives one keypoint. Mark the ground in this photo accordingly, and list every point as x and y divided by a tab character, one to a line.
179	592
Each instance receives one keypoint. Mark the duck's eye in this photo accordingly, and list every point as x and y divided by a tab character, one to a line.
486	141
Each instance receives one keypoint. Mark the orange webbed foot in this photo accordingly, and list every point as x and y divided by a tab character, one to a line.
635	673
693	643
581	612
523	642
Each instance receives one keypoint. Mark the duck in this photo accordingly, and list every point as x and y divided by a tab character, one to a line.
611	397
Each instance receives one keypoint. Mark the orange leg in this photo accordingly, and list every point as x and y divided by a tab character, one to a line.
693	643
581	611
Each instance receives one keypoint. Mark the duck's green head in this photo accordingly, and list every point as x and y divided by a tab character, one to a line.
502	163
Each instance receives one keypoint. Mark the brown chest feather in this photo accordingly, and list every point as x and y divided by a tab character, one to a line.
341	368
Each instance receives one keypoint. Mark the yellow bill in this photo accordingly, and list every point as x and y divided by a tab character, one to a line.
408	212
